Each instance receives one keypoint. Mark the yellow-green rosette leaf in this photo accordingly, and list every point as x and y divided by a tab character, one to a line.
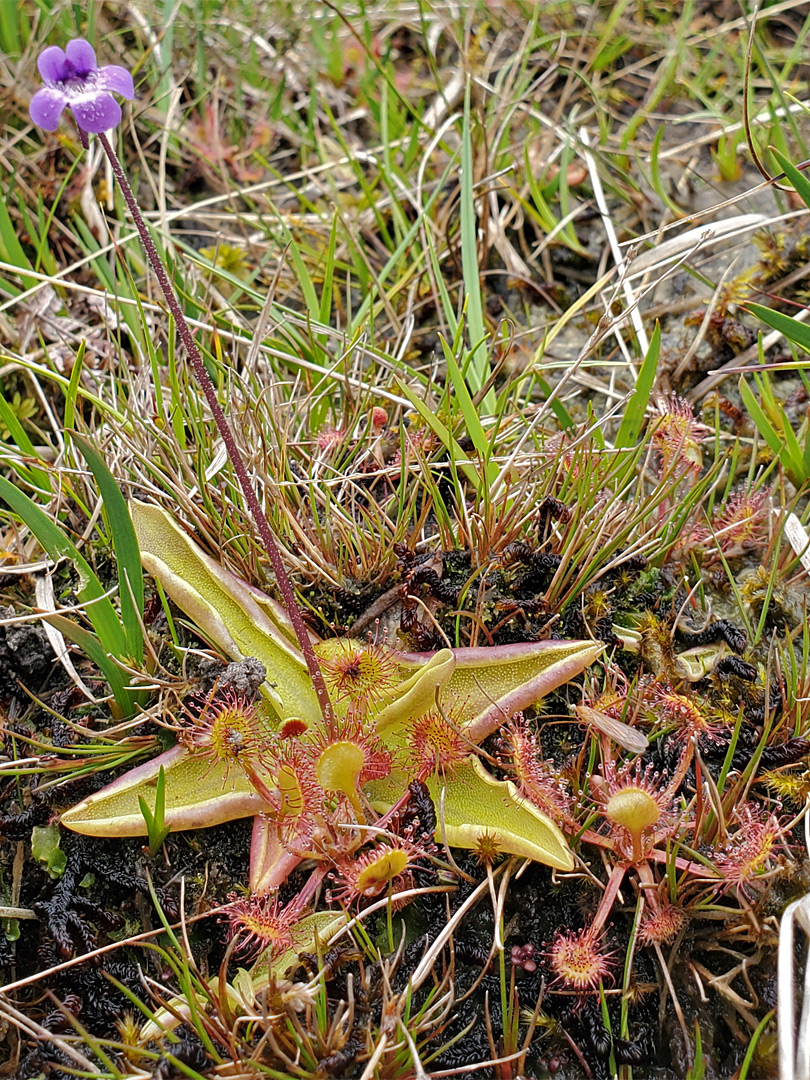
198	795
473	805
224	608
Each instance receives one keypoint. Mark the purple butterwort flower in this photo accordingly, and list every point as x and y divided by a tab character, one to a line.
73	78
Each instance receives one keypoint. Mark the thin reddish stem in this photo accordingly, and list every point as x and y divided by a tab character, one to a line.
608	897
263	526
649	885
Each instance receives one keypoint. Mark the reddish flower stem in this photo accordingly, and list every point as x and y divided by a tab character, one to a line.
263	526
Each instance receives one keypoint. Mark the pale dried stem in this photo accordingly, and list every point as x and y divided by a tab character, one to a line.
42	1035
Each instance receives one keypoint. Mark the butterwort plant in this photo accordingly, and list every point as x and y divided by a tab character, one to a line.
313	772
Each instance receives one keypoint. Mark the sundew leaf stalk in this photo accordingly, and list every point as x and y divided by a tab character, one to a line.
262	524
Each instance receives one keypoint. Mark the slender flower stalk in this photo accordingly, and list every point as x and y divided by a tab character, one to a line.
73	79
262	524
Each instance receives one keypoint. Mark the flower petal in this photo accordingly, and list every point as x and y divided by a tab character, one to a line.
52	64
116	78
81	56
96	112
46	107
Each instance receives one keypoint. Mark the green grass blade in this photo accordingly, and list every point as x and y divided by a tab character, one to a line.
791	328
360	317
444	436
633	418
444	296
156	828
752	1045
468	410
329	274
38	478
126	699
697	1070
763	424
9	29
116	283
304	279
564	417
57	544
74	386
478	371
791	454
11	250
795	176
125	544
